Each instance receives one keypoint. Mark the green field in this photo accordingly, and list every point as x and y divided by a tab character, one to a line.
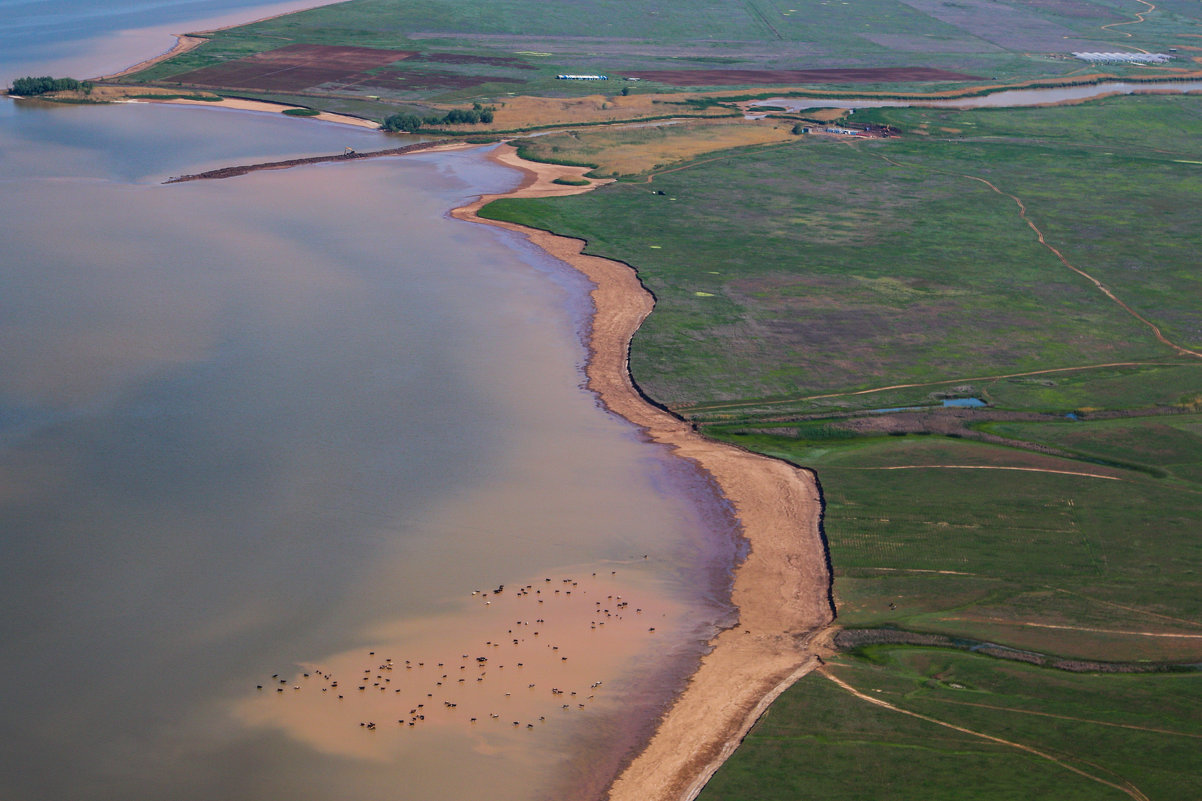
1058	523
821	266
820	742
519	46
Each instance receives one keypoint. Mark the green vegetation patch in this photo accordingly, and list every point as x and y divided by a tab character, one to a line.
818	740
1060	518
838	266
483	49
30	86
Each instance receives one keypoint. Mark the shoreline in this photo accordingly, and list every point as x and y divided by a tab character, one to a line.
433	146
782	588
193	39
243	104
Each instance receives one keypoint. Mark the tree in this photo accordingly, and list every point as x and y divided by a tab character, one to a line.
30	86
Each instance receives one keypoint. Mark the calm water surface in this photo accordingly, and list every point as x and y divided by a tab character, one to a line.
1010	98
289	423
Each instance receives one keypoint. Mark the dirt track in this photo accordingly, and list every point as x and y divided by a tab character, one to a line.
781	590
1126	786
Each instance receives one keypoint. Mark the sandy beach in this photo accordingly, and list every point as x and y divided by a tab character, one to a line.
781	590
242	104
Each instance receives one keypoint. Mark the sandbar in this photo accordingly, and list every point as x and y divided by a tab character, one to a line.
781	589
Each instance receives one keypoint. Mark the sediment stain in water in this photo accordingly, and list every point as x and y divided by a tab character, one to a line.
268	425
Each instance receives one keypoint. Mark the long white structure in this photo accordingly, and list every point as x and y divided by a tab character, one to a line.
1124	58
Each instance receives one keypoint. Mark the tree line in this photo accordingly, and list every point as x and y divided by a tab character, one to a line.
30	85
410	122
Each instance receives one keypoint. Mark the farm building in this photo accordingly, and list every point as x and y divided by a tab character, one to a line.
568	77
1123	58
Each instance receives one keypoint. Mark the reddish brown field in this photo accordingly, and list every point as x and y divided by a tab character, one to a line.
415	80
465	58
866	75
294	67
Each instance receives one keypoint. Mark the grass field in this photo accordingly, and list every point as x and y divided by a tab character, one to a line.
636	150
472	50
820	742
1060	519
821	266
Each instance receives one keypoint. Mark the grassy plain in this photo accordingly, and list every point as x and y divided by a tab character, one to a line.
823	266
818	741
471	50
632	151
1059	519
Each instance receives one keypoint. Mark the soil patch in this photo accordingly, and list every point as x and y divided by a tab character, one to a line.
294	67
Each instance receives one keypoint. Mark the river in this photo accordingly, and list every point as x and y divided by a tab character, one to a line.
270	440
1009	98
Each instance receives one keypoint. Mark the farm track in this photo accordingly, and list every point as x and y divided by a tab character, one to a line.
1022	213
1069	717
710	407
1126	787
1140	15
1131	608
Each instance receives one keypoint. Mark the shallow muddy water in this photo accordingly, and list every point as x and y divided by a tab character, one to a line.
302	422
1011	98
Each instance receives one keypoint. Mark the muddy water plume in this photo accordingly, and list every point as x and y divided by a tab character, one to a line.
273	424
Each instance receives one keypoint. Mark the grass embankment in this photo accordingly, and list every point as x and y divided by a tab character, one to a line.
1060	519
626	152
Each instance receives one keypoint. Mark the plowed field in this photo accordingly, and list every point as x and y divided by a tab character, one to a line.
294	67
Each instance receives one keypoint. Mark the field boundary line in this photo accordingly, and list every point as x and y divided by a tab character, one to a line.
1058	627
1130	789
1022	213
1139	17
1068	717
1135	609
987	467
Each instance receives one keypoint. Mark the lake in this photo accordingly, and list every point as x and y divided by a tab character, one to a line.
270	440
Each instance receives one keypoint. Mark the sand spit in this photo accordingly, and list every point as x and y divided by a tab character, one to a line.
243	169
782	588
242	104
183	43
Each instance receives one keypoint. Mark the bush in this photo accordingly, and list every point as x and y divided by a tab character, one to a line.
29	86
410	122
